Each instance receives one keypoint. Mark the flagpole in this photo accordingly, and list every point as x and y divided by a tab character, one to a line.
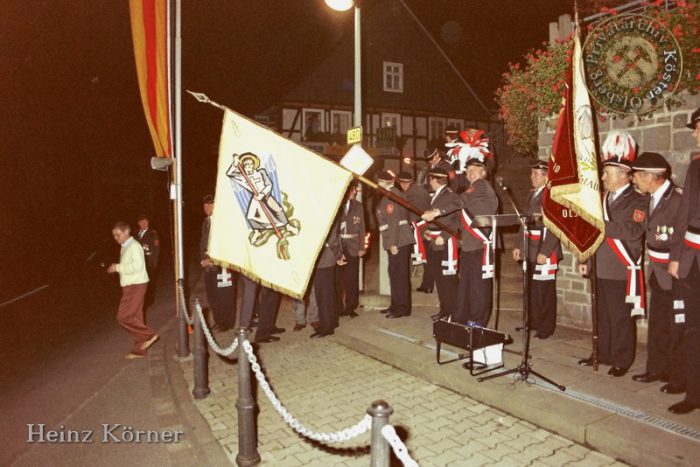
183	349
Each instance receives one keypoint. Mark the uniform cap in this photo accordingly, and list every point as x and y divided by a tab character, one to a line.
208	199
540	164
650	162
437	173
405	177
386	176
694	119
430	151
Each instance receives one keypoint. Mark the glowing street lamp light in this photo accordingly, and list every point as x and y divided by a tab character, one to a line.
340	5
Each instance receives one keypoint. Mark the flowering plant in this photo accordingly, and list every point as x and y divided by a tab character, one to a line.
533	90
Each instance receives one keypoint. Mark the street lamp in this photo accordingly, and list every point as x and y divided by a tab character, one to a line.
345	5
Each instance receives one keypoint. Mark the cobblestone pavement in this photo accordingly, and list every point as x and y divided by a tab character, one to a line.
328	387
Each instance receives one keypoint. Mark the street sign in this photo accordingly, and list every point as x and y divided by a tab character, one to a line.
355	135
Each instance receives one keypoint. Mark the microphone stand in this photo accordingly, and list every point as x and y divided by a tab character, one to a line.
524	370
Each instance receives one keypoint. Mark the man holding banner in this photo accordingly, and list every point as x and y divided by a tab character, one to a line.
618	273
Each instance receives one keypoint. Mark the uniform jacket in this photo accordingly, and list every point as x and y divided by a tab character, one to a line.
204	239
394	225
352	227
627	223
450	206
419	197
151	247
547	243
661	235
332	250
688	220
478	199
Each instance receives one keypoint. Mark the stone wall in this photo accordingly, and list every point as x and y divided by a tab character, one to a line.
664	133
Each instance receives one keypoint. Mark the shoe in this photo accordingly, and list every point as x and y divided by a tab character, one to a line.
586	361
616	372
266	339
397	315
298	327
133	356
150	342
683	407
424	290
671	389
277	330
321	334
438	316
351	314
521	328
385	310
648	377
315	324
542	336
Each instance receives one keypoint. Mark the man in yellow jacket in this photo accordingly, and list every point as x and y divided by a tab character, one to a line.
133	279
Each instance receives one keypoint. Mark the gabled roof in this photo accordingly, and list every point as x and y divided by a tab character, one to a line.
390	33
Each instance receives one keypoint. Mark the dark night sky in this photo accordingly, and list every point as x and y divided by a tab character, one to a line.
70	97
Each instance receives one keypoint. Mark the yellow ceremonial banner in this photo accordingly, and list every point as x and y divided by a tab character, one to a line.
275	203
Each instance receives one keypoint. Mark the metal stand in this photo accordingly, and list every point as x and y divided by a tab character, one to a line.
525	367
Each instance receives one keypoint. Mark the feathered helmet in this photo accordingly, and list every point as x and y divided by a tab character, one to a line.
619	149
469	149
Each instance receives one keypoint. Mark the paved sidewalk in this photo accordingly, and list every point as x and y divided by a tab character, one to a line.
329	387
447	416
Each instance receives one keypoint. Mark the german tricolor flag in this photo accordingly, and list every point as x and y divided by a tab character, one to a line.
150	31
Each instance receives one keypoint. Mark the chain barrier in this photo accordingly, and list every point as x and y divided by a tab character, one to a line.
183	305
212	342
389	434
343	435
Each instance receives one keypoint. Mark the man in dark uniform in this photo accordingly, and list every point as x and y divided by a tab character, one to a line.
397	238
651	176
433	156
324	282
476	264
219	282
442	248
149	240
544	253
685	265
619	282
419	197
352	237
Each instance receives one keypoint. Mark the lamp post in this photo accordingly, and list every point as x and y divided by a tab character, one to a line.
345	5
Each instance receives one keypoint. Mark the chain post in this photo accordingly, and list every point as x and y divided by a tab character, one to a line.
247	434
201	369
379	411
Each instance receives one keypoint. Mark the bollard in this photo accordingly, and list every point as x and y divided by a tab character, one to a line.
247	434
183	344
201	370
379	449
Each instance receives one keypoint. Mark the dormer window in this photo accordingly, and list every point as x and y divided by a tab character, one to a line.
393	77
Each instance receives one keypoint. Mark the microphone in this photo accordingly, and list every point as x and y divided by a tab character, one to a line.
499	180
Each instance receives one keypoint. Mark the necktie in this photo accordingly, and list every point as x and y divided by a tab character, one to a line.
652	204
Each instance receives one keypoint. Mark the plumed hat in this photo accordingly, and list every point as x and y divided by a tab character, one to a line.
619	149
469	148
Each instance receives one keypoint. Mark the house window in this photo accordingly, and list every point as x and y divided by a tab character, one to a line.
393	77
341	122
392	120
437	128
313	123
457	123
